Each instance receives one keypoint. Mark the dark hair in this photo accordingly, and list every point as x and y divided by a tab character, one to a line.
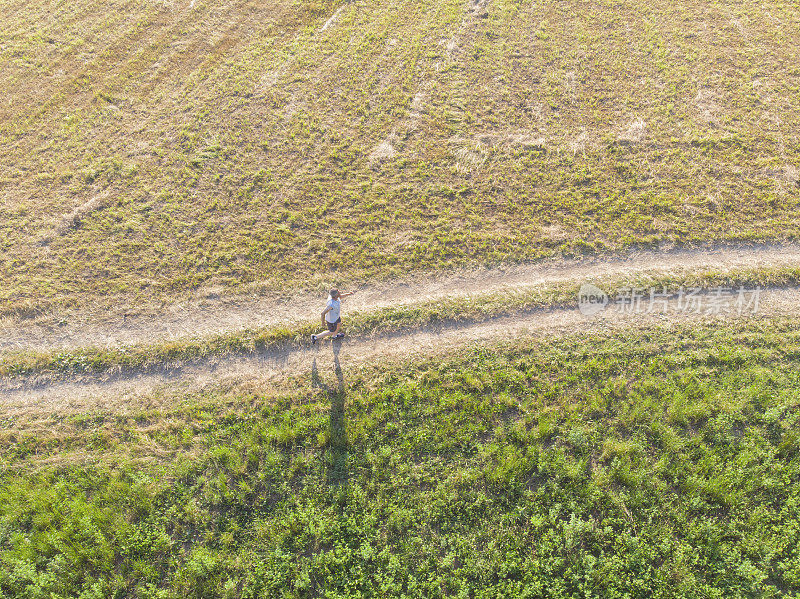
334	293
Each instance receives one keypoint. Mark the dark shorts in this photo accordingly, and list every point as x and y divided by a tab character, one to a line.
332	325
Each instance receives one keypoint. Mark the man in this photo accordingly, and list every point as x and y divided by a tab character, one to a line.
332	316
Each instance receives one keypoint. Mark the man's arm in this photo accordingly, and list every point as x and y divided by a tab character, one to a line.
324	312
346	294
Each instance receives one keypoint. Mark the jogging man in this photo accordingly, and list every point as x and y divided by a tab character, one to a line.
332	316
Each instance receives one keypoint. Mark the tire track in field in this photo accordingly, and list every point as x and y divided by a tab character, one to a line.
384	149
125	391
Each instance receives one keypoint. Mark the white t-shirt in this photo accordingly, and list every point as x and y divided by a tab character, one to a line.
335	311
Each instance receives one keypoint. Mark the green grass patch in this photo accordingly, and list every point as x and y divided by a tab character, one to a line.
650	463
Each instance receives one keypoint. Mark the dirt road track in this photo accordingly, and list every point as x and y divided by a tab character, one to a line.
210	315
123	392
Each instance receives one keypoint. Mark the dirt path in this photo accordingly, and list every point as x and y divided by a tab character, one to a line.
122	393
212	315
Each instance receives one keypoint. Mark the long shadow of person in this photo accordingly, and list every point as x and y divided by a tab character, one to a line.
337	393
340	447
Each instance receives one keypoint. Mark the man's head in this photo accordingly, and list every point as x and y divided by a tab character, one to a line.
334	293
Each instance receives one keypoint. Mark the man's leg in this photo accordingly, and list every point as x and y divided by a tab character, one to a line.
338	333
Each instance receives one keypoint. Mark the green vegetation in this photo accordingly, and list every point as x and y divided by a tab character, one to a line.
425	315
659	463
152	148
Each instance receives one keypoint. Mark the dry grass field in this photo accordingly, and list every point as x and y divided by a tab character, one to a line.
153	149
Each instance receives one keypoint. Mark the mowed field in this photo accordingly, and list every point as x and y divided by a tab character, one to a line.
149	149
180	180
